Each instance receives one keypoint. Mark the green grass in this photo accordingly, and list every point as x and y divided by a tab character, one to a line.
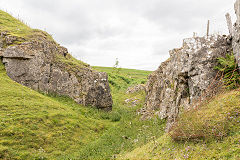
70	64
221	114
214	119
39	126
139	76
13	26
18	29
34	125
122	78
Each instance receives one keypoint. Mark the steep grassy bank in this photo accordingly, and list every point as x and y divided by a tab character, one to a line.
34	125
210	132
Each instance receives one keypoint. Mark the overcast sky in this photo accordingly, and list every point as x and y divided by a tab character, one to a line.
137	32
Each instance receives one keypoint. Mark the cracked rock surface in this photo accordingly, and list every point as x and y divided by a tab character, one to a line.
179	82
35	64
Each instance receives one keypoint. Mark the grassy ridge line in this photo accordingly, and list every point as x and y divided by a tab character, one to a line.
130	72
122	78
13	26
18	29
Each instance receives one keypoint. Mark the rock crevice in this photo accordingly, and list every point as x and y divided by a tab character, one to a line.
180	81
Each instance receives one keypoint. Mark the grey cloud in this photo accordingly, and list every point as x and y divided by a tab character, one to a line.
183	15
91	27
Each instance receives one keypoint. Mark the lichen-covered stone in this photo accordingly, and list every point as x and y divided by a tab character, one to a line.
35	64
236	33
180	81
136	88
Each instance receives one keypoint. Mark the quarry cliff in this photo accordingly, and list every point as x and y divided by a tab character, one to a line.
33	59
180	81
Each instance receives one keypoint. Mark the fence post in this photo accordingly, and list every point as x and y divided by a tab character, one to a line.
237	10
208	24
229	23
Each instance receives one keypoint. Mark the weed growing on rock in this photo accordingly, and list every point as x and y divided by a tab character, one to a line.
229	67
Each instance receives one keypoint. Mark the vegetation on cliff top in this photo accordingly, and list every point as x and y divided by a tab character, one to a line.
18	29
22	32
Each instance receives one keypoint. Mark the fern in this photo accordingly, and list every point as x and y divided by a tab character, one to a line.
229	67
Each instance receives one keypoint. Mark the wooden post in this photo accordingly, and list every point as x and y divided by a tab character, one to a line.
229	23
208	28
237	10
236	48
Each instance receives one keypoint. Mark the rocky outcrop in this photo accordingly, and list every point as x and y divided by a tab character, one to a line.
236	33
180	81
45	66
136	88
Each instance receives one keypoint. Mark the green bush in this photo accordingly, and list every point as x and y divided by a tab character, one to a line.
228	66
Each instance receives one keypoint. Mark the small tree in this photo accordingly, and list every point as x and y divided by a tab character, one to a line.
116	66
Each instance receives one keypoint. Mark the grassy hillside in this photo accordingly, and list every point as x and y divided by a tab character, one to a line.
210	132
39	126
35	125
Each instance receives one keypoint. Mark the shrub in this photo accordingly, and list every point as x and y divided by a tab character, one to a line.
228	66
213	120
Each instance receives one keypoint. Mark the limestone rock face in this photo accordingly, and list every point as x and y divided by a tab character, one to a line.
236	33
40	65
180	81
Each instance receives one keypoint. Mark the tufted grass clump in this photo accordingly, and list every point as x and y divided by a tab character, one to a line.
213	120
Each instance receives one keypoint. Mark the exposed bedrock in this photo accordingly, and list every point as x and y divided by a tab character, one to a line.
179	82
43	65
